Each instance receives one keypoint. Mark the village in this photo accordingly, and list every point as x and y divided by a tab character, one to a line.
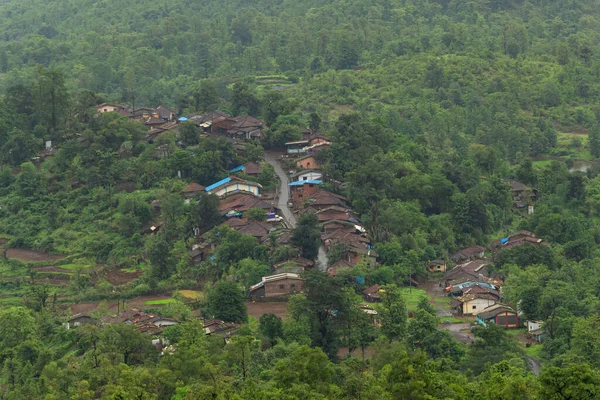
462	287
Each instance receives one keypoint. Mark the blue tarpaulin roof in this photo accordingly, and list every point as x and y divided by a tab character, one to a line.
182	119
300	183
236	169
503	241
216	185
465	285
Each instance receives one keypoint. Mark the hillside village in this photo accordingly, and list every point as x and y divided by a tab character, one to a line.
474	292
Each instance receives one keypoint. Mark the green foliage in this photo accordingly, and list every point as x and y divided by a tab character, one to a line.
307	236
225	301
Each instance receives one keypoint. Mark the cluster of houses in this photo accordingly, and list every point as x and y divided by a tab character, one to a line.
149	323
162	119
476	291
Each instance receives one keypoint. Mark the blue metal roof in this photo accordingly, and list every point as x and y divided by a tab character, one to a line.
182	119
236	169
220	183
300	183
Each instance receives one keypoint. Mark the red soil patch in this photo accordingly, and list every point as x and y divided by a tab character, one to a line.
258	309
31	255
117	277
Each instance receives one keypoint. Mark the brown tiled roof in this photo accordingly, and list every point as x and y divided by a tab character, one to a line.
372	290
252	168
194	187
164	112
516	186
243	202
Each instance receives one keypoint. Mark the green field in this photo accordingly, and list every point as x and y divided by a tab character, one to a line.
412	296
74	267
160	302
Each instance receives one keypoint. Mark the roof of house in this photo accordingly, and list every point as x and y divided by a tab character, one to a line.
333	270
472	250
225	181
469	284
472	270
297	142
274	278
494	310
237	169
323	198
164	112
304	172
259	230
245	121
304	157
437	262
372	291
516	186
252	168
306	182
242	202
193	187
111	105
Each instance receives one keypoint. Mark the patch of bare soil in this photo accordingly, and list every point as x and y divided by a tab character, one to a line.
31	255
118	277
257	309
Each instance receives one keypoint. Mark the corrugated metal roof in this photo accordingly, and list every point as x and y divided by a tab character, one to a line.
236	169
310	181
217	184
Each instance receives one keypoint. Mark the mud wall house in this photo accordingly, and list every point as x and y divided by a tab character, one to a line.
521	194
499	314
436	266
307	162
277	286
303	190
164	113
470	253
470	271
372	294
246	127
79	320
191	190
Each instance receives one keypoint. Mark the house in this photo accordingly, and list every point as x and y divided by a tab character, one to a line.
473	287
164	113
471	271
114	107
517	239
436	266
191	190
307	162
521	194
201	252
276	286
335	268
470	253
218	327
257	229
306	175
250	169
246	127
241	202
336	213
79	320
317	138
296	147
534	325
372	293
297	265
355	255
473	303
302	190
499	314
537	335
323	199
215	122
233	184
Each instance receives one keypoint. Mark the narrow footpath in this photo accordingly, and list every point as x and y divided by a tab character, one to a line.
282	204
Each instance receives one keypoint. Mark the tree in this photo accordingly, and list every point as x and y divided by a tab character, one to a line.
575	381
271	327
20	147
205	211
594	140
393	314
250	272
161	259
28	181
307	236
189	133
51	99
225	301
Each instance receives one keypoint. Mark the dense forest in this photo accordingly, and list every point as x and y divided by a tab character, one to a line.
430	106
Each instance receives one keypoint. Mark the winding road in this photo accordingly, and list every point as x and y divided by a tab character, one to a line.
282	204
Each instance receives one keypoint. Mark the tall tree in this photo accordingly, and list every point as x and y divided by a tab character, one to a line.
225	301
307	236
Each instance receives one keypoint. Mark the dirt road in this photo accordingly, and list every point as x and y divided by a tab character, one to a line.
282	204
